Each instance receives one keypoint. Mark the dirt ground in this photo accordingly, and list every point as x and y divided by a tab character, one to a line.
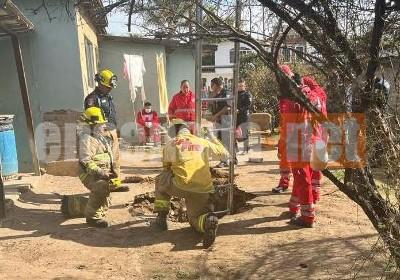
36	242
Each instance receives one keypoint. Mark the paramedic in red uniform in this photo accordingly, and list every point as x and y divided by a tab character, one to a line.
183	106
148	125
303	198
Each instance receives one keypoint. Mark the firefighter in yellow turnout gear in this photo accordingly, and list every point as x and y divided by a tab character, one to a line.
95	158
187	175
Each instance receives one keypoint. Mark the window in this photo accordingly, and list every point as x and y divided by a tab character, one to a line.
242	51
89	62
299	50
232	56
207	59
286	54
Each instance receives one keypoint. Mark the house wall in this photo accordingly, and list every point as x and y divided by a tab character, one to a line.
87	30
112	57
180	66
53	71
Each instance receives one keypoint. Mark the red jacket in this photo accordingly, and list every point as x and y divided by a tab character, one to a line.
142	117
182	107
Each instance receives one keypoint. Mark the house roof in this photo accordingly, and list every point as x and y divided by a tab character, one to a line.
94	9
12	20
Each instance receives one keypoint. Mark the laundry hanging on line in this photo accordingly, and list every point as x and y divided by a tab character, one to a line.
134	70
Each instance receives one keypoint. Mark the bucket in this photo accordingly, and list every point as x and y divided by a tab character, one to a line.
8	148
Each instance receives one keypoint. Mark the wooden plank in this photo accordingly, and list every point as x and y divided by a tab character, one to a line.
25	100
2	196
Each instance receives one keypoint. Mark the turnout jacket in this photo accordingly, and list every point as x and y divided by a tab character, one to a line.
188	157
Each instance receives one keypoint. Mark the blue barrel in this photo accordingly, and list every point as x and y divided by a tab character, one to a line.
8	148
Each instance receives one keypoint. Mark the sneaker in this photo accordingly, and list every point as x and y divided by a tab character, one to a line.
161	221
298	221
120	189
210	232
279	189
100	223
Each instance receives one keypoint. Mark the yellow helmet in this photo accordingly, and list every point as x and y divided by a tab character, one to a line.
107	78
94	115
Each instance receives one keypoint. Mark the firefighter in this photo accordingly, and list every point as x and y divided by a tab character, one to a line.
97	166
148	125
187	175
101	98
182	105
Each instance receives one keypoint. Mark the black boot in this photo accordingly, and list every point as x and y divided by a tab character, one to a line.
298	221
210	231
100	223
279	189
120	189
161	221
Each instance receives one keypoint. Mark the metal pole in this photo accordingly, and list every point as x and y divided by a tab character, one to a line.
198	67
2	196
234	109
25	100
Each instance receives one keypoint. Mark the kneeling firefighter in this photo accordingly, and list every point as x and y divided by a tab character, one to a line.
97	171
187	175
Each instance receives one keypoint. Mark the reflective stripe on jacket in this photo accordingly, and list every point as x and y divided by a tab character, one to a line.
182	107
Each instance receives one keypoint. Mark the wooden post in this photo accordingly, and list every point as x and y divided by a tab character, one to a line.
2	196
26	102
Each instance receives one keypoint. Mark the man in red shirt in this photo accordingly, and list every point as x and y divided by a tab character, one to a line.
182	105
148	125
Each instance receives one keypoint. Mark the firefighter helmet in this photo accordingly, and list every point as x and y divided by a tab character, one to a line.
107	78
94	115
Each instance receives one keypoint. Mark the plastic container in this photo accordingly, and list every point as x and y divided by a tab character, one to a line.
8	148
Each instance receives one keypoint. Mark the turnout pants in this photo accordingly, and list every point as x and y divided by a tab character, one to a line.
99	198
197	204
115	151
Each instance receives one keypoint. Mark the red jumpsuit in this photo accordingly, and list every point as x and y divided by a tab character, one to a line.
307	182
318	99
182	106
284	105
302	197
148	126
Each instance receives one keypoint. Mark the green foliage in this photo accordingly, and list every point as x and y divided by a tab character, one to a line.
262	84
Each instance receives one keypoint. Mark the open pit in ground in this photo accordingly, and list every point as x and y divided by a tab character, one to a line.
143	204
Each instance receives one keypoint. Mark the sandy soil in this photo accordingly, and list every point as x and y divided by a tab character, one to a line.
37	243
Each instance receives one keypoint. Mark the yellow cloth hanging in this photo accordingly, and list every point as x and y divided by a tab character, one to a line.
162	84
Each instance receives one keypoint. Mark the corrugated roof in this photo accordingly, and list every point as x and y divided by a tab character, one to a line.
12	20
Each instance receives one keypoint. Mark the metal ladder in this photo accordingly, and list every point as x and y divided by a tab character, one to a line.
232	99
